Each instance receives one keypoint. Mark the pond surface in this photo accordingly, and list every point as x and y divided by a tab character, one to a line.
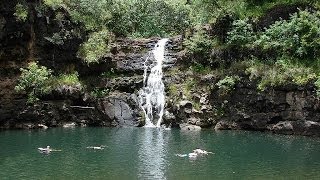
149	153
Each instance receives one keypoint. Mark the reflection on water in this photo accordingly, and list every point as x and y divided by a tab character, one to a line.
152	153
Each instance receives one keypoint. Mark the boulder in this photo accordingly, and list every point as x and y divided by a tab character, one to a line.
283	127
189	127
120	109
225	125
69	125
42	126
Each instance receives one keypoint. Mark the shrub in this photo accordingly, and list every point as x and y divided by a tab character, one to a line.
241	34
94	15
199	68
227	84
299	36
198	43
21	12
68	80
54	4
55	39
283	72
95	47
35	80
146	18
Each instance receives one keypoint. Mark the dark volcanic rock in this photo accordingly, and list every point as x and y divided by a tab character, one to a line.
279	12
285	110
122	109
129	56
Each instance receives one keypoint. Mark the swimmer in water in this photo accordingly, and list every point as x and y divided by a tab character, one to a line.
195	153
200	151
46	150
101	147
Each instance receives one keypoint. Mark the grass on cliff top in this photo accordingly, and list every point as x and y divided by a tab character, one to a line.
280	73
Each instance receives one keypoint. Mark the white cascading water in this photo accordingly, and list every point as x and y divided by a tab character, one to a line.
152	96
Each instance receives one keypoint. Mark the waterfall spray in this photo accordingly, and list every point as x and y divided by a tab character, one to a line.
152	96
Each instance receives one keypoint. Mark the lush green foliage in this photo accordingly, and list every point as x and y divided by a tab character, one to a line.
198	43
35	80
227	84
298	36
147	18
242	33
199	68
127	18
281	73
95	47
68	80
21	12
54	4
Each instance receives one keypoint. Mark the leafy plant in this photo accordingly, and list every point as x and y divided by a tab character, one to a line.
95	47
227	84
35	80
241	34
298	36
100	92
55	39
199	68
54	4
283	72
198	43
21	12
68	79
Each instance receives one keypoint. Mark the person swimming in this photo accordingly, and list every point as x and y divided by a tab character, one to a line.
101	147
46	150
195	153
200	151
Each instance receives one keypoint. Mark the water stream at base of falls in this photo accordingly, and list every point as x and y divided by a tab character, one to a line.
152	95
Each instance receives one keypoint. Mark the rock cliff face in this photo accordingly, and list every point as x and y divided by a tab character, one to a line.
287	110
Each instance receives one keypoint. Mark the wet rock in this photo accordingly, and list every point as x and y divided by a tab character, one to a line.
284	127
74	91
188	127
225	125
186	106
120	109
167	116
131	55
69	125
123	84
307	128
42	126
25	126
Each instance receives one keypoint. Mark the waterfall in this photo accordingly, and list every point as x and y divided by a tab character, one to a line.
151	96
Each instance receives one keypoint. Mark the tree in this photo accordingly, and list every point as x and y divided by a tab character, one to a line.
35	80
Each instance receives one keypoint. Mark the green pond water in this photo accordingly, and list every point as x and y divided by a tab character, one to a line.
149	153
